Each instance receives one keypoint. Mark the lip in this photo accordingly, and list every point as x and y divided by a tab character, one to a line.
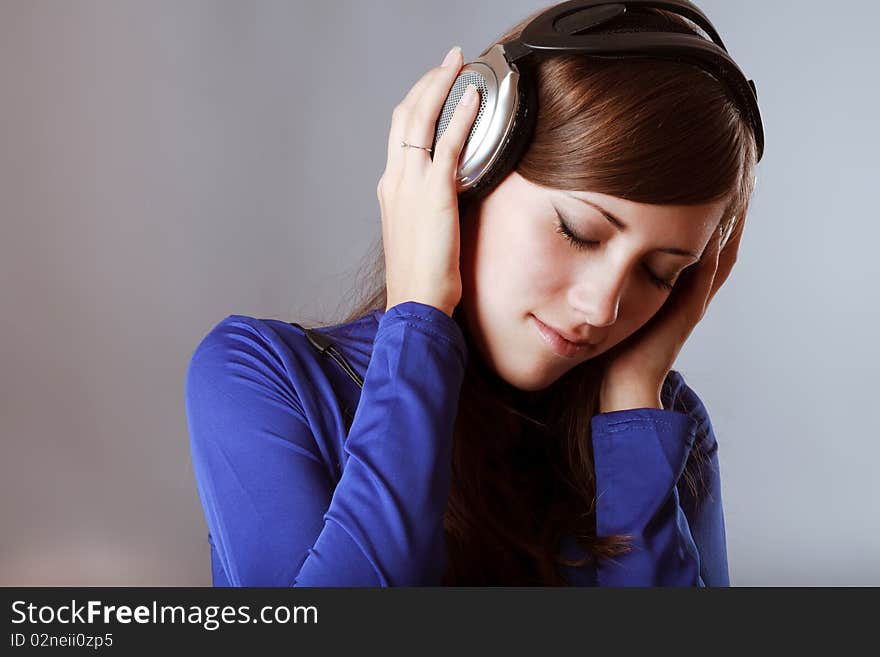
557	343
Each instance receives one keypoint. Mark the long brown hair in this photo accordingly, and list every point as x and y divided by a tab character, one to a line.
647	130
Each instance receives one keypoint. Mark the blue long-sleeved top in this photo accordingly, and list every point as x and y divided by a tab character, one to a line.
290	501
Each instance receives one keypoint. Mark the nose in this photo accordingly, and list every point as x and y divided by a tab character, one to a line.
596	294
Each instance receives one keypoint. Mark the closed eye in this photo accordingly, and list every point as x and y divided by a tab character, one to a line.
587	245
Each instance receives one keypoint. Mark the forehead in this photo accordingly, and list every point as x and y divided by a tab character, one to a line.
631	215
625	211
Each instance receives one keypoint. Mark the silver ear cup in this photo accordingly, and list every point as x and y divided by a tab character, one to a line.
496	82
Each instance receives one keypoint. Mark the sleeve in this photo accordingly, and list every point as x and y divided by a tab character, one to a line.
640	455
273	513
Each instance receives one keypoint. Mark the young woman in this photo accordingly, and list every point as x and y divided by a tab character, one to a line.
515	418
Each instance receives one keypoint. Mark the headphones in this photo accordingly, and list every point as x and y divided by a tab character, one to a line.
508	105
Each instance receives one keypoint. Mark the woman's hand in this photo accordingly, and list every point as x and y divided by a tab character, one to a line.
418	196
636	368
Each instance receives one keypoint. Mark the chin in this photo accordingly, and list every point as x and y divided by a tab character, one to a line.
527	381
531	386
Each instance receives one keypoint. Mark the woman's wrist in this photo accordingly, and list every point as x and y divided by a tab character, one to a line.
622	397
442	307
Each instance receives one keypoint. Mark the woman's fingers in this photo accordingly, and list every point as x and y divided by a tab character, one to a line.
399	119
696	292
447	151
711	272
403	117
420	216
690	293
728	255
425	110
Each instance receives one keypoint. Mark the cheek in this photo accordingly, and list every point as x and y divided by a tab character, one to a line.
513	264
536	265
551	263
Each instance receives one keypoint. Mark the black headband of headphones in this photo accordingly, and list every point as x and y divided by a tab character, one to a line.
566	28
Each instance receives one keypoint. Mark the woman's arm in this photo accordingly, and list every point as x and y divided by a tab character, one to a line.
274	515
639	456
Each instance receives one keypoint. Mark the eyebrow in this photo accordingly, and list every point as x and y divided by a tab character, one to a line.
619	225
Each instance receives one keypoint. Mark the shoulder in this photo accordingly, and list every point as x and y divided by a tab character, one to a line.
238	355
259	374
241	348
678	396
236	332
242	340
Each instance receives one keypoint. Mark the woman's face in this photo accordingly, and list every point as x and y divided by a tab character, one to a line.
518	270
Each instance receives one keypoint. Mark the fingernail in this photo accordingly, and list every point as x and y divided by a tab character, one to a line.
451	56
469	97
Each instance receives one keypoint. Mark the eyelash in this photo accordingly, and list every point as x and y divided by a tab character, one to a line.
586	245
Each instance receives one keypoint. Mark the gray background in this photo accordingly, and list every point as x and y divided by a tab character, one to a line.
165	164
